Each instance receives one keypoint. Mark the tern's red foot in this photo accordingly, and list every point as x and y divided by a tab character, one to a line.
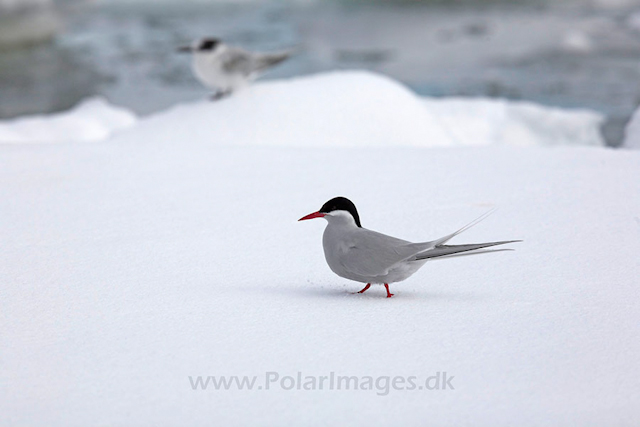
365	288
389	294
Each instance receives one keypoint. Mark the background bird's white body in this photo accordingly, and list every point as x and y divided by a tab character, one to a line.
212	69
227	68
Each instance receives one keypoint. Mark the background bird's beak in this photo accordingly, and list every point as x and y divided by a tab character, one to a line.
312	215
184	49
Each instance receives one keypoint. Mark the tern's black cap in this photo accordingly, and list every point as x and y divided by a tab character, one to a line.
208	44
342	204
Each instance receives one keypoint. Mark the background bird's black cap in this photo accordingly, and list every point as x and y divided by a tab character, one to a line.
208	44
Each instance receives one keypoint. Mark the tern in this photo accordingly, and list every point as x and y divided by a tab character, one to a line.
366	256
227	68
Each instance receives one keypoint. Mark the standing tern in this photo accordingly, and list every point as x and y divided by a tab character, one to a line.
366	256
227	68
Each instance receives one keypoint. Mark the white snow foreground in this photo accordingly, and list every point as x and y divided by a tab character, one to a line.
130	270
333	109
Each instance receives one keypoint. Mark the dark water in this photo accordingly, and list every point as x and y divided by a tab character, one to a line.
569	55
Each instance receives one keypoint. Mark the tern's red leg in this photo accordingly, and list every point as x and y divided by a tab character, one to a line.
389	294
365	288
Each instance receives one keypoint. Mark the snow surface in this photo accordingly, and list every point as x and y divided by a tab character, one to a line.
133	263
92	120
342	109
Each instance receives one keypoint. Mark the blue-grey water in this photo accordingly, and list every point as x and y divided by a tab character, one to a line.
569	54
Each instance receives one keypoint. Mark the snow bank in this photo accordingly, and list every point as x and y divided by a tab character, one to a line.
632	132
366	109
501	122
334	109
92	120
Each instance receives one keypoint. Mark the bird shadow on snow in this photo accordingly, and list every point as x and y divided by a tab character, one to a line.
351	293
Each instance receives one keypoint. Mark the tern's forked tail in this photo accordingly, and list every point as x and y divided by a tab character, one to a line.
440	249
444	250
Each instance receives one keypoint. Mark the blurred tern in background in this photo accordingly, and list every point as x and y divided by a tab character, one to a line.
227	68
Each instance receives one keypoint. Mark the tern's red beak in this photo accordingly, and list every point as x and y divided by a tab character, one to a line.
312	215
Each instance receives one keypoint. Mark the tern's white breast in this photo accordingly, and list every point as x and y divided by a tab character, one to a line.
208	68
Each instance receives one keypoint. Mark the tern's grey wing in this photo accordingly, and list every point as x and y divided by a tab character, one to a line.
372	254
238	61
268	60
